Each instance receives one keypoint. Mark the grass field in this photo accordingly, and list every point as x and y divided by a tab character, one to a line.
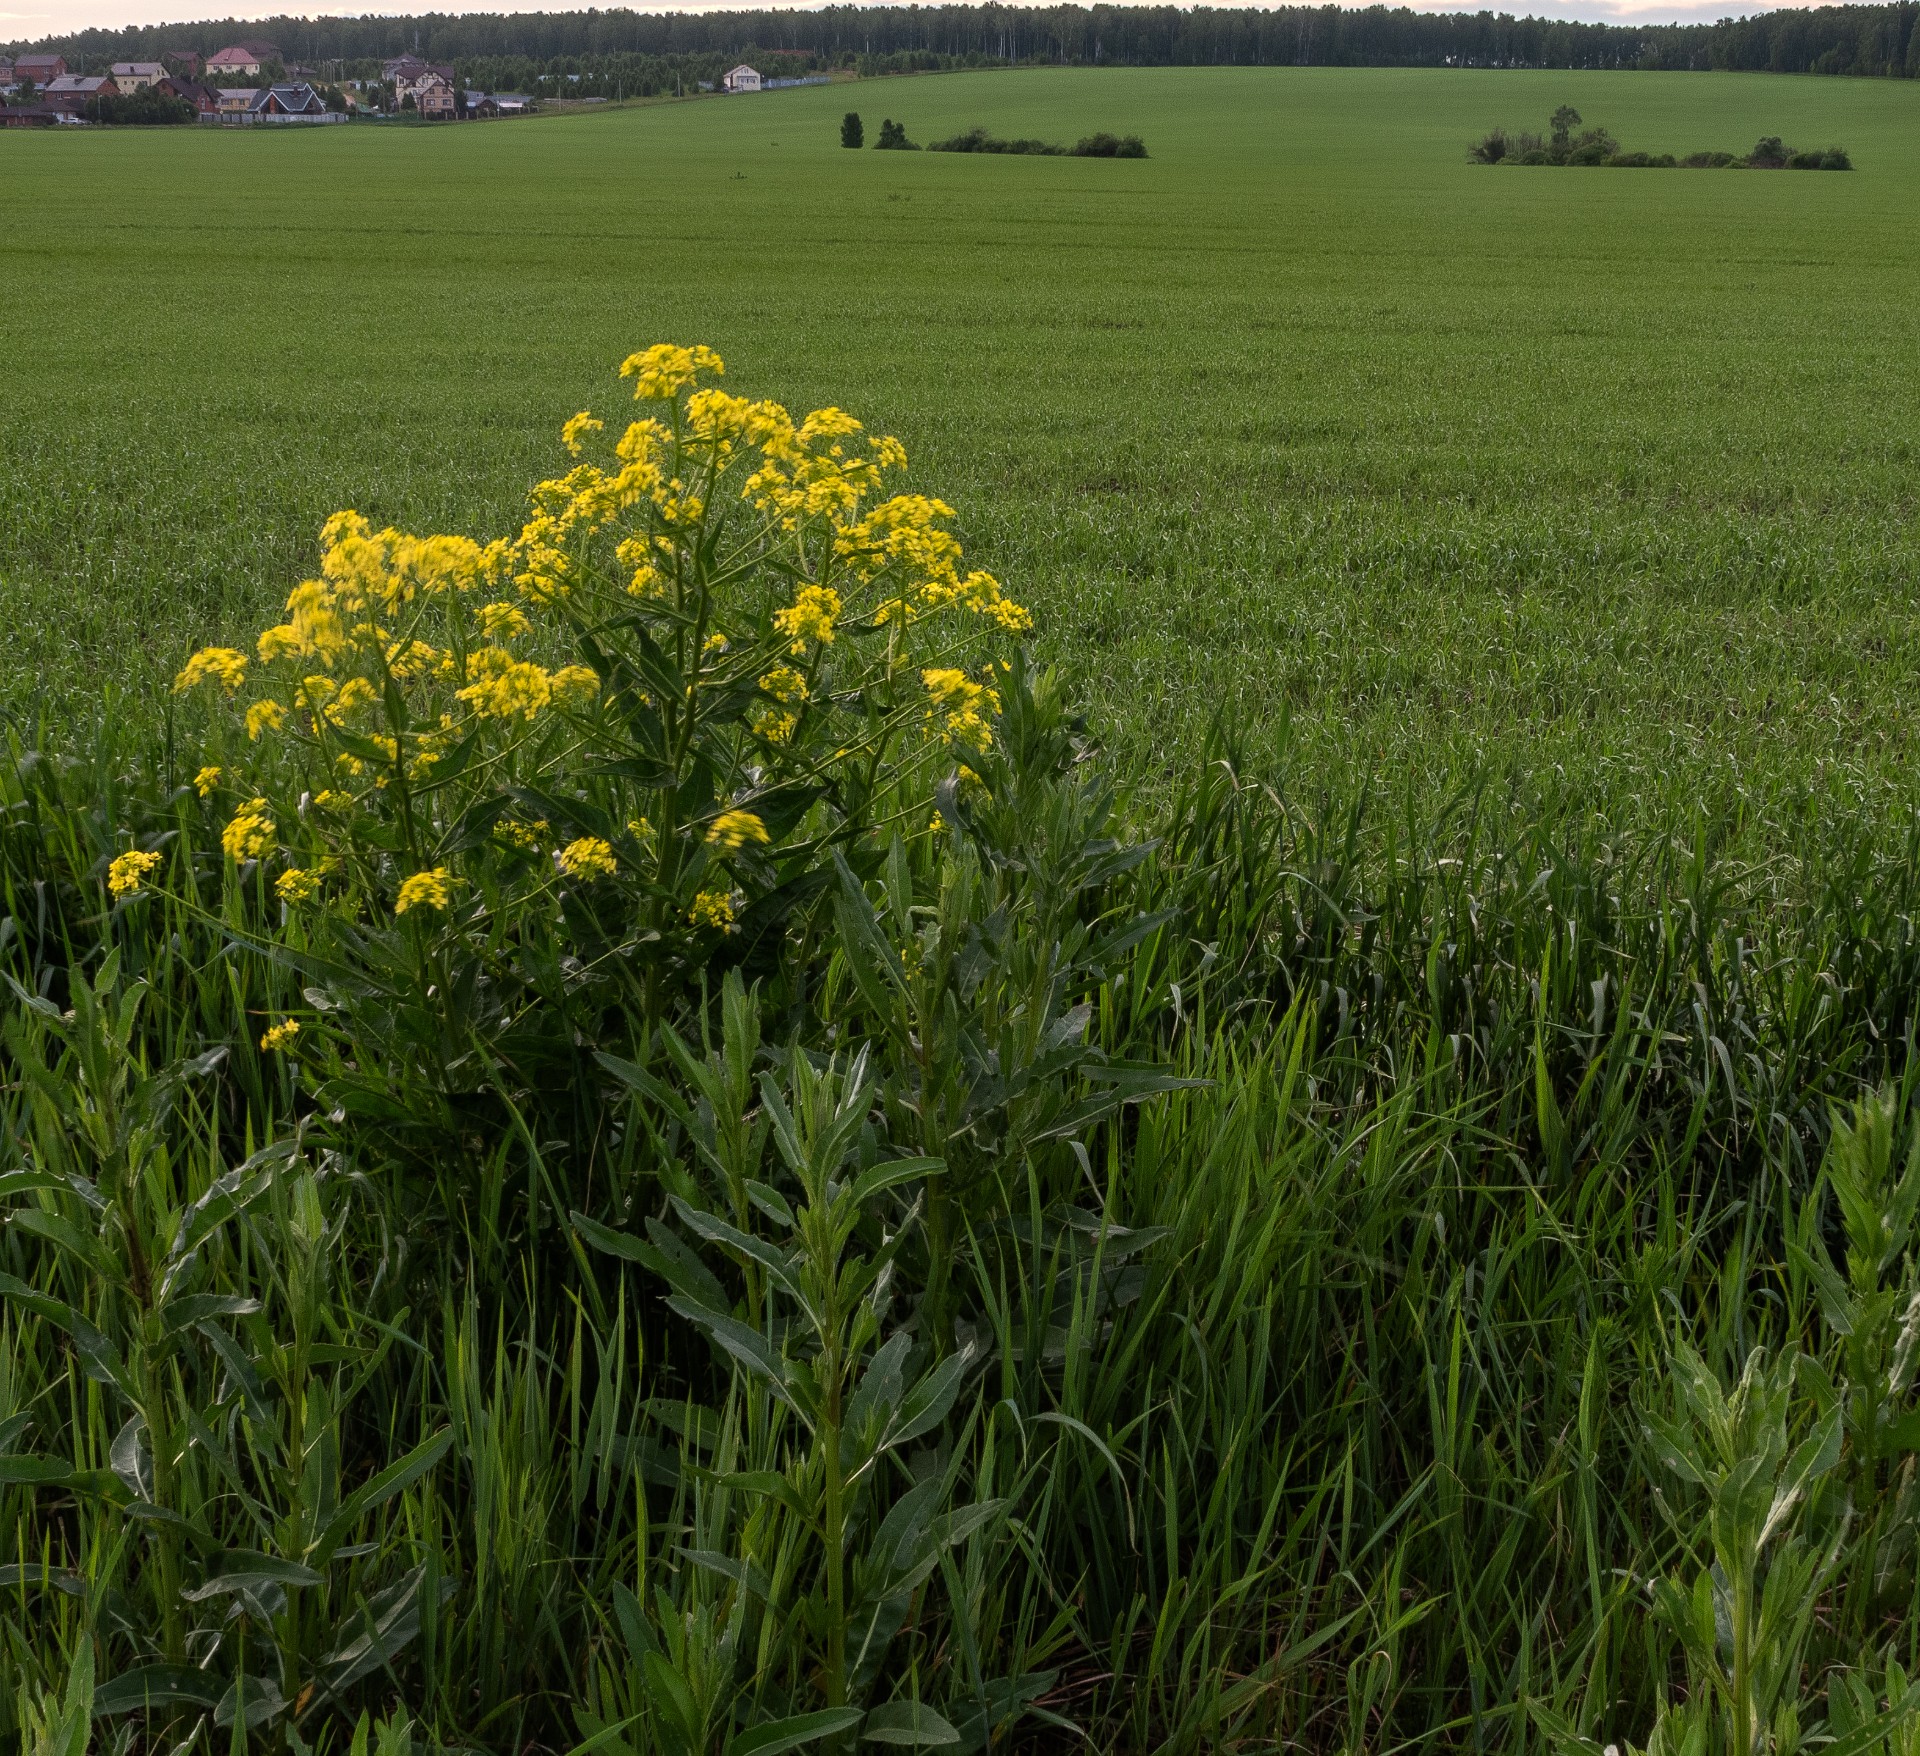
579	1189
1303	414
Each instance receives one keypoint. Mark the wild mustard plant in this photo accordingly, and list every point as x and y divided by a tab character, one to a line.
703	659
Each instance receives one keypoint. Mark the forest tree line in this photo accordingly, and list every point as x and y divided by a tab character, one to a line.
1872	40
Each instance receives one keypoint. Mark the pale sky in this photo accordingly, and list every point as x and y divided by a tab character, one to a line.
39	18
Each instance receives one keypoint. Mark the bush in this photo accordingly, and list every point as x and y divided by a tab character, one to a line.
893	138
146	108
1703	161
977	139
1768	154
1490	148
1836	159
1108	146
1535	155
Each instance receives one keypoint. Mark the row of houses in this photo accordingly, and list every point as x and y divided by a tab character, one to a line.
53	94
66	97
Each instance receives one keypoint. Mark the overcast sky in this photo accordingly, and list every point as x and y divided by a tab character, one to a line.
20	19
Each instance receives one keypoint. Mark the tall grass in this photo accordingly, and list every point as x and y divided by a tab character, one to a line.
1196	1270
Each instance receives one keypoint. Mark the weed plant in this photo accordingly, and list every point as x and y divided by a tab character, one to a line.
649	1163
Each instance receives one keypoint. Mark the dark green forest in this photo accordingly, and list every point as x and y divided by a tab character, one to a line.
1878	41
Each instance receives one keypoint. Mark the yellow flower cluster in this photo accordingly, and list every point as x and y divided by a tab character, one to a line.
716	909
505	686
589	857
410	663
959	707
502	621
432	890
662	371
251	833
129	872
280	1037
521	835
734	829
811	616
789	688
905	533
219	664
295	886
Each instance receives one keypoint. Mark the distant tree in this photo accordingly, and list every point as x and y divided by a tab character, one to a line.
1108	146
1490	148
853	132
147	108
407	103
893	137
1565	120
1768	154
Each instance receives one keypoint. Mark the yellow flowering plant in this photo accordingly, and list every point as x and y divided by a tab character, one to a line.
718	647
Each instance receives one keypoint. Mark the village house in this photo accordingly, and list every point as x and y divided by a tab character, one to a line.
436	100
407	74
28	116
133	76
288	101
232	102
206	105
184	61
742	78
72	92
242	60
41	70
6	73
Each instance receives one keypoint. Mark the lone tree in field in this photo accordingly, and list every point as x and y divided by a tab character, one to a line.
852	132
1565	120
893	137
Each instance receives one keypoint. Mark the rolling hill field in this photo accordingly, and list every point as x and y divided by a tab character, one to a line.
1304	415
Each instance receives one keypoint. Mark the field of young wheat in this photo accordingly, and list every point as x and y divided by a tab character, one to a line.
1217	1056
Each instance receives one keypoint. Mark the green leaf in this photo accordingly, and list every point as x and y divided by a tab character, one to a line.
925	1405
240	1570
65	1235
773	1485
622	1244
748	1346
259	1697
789	1734
383	1487
901	1170
18	1471
149	1686
911	1723
384	1625
195	1308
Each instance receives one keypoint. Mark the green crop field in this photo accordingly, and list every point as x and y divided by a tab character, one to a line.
654	1160
1303	414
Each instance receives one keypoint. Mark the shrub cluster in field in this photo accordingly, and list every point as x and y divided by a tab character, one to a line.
1595	146
893	138
632	1147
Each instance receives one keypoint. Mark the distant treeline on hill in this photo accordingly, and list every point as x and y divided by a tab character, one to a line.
1865	40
